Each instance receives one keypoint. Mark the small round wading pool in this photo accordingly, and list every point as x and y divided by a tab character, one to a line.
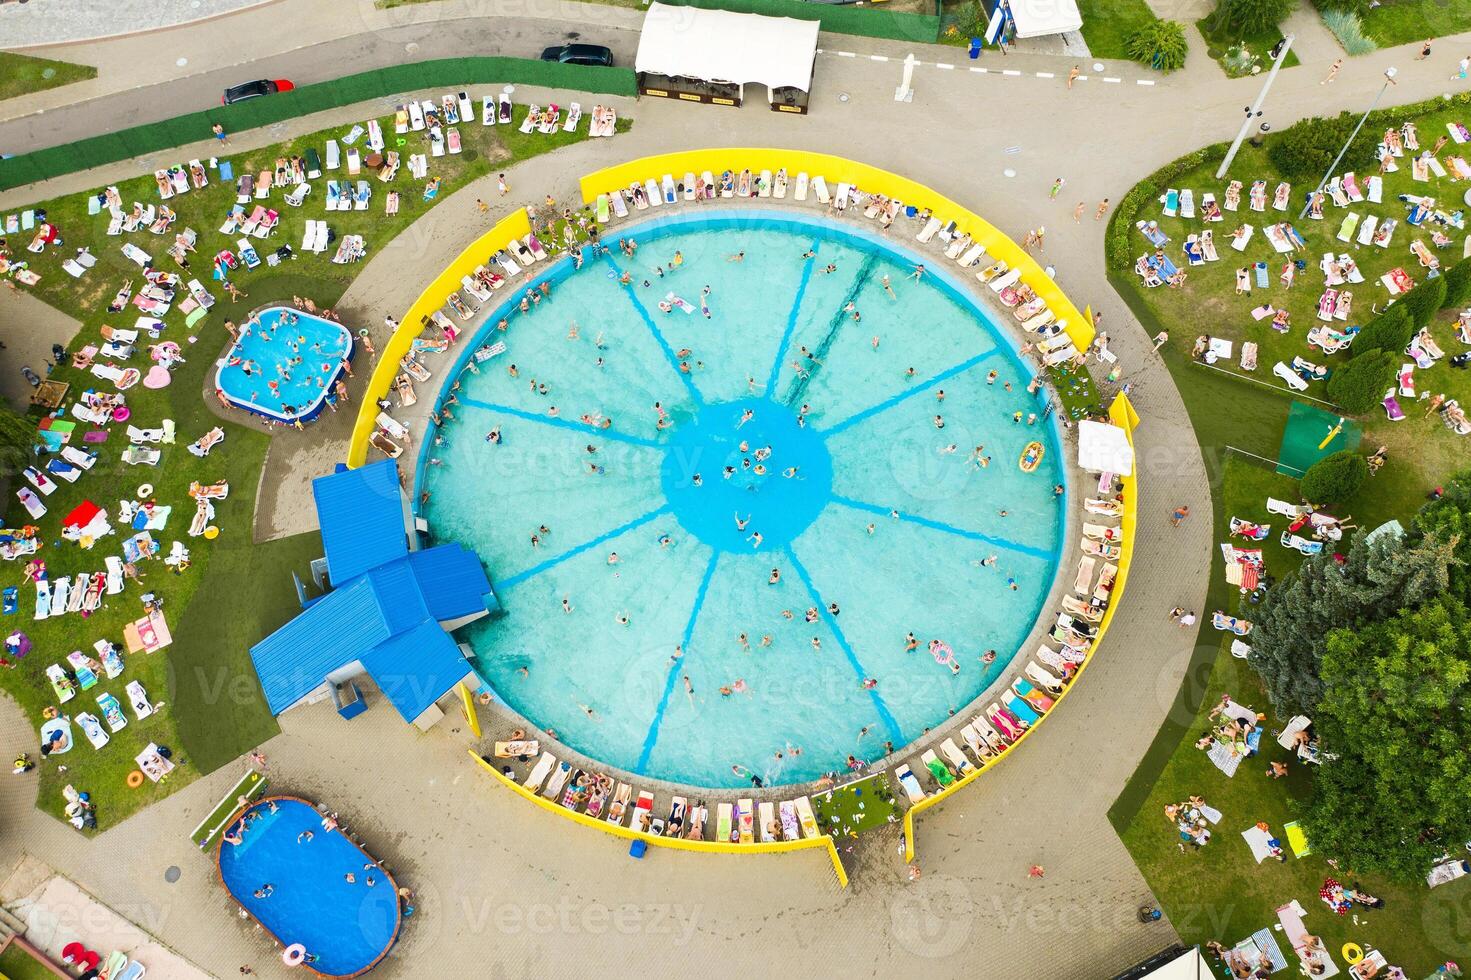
297	888
283	365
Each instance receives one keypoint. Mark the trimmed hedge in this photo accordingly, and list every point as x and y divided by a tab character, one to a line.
1424	301
1390	330
447	73
1458	284
1359	386
1333	479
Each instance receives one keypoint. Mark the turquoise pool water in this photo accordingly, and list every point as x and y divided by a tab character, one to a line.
304	893
652	521
283	363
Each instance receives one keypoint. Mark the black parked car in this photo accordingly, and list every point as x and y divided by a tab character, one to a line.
580	54
254	90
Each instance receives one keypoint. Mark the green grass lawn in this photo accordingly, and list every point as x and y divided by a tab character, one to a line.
235	591
859	806
1405	21
1219	892
1421	449
18	964
21	74
1107	24
1220	39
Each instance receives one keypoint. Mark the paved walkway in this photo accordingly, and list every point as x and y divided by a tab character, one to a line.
524	893
51	22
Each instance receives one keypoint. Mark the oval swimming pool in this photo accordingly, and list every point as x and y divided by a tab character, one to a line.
750	497
283	364
296	887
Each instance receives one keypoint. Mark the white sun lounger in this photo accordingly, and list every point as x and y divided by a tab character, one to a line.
911	785
539	771
819	188
801	192
957	758
928	232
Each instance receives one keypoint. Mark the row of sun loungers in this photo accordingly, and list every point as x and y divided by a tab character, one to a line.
600	797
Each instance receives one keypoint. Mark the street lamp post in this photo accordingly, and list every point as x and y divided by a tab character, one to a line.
1279	54
1389	74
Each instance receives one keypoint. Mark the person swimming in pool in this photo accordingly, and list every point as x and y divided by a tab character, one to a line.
739	522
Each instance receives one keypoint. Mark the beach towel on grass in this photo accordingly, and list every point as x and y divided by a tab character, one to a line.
1225	758
1256	838
1267	943
1297	839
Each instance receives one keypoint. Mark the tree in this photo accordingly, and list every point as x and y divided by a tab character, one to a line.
1424	301
1457	284
1160	44
1359	385
1447	521
1333	479
1375	580
1252	17
1391	796
1305	150
1390	330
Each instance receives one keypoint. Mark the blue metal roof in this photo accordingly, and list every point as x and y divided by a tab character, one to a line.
399	597
417	668
452	581
338	629
362	519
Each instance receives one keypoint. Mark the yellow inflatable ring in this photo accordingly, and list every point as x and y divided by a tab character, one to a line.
135	779
211	532
1352	952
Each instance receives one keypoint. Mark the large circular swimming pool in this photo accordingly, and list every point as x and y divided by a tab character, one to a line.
750	498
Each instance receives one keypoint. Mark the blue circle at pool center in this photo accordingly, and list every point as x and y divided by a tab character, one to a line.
756	493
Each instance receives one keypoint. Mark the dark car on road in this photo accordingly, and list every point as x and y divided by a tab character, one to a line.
254	90
580	54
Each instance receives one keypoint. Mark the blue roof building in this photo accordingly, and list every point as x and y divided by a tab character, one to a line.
390	609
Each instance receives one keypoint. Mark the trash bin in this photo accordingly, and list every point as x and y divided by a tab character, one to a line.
975	48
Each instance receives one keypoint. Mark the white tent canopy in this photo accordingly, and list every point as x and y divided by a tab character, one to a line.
1039	18
720	46
1104	448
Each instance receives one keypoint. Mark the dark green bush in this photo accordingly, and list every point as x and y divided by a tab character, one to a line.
1457	284
1390	330
1159	44
1254	16
1424	301
1334	478
1304	150
1359	386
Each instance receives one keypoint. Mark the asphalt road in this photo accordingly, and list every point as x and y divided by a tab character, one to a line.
521	37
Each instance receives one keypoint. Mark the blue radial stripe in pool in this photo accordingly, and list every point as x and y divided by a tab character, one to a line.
786	334
832	623
558	422
946	528
919	388
658	334
676	664
573	552
702	654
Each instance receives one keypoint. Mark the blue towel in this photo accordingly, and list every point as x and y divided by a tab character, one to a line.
1267	943
1261	275
227	172
12	599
